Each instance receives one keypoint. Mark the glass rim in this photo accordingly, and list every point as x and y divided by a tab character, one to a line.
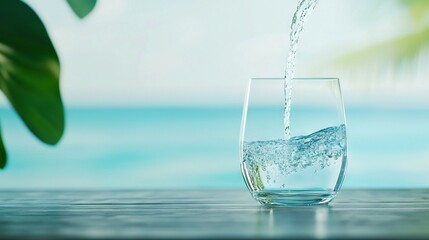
296	79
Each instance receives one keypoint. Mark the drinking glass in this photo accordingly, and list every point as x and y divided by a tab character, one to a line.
306	168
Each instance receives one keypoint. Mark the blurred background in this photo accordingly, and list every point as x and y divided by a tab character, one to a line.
154	90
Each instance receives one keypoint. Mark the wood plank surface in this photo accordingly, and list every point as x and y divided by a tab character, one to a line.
209	214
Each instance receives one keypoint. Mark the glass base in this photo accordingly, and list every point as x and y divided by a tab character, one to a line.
294	197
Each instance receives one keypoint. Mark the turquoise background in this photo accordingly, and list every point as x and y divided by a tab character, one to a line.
173	147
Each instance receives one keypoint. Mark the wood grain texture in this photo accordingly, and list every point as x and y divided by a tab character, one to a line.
209	213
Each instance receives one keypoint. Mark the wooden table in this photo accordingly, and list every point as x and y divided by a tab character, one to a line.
209	213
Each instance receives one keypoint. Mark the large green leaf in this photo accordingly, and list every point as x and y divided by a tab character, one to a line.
82	7
2	153
29	71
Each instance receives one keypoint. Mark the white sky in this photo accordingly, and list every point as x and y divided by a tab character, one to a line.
192	52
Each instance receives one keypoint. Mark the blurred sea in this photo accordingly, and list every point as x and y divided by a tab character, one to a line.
172	147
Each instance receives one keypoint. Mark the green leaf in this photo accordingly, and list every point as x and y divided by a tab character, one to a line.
3	156
30	70
395	50
82	7
418	9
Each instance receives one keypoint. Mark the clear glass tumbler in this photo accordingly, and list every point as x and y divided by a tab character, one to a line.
308	168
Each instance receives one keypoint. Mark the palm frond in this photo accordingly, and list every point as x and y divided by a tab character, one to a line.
418	9
395	51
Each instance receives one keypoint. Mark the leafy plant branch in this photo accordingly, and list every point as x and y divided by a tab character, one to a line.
30	69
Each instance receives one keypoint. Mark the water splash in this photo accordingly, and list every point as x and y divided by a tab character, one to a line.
320	149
